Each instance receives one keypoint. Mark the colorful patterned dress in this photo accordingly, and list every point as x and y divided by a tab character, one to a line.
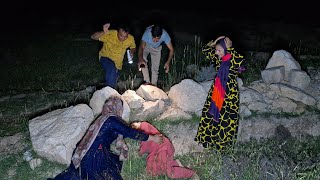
219	121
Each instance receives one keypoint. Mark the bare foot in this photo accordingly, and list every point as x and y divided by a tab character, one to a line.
180	164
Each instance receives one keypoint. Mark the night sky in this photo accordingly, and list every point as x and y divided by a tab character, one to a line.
26	19
31	15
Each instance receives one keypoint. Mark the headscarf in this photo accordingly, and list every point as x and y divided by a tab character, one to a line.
112	107
222	43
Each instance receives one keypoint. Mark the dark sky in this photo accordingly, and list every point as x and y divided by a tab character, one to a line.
30	19
32	15
300	10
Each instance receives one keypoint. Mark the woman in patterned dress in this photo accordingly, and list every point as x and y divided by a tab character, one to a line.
219	121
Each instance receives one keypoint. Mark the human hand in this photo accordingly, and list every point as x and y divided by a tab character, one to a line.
157	138
228	42
166	67
106	27
141	64
211	44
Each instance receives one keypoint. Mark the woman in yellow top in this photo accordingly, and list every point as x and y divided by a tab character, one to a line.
115	44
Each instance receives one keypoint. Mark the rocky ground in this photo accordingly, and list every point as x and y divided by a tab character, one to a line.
278	160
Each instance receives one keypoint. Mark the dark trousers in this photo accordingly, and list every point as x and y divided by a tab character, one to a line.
110	72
